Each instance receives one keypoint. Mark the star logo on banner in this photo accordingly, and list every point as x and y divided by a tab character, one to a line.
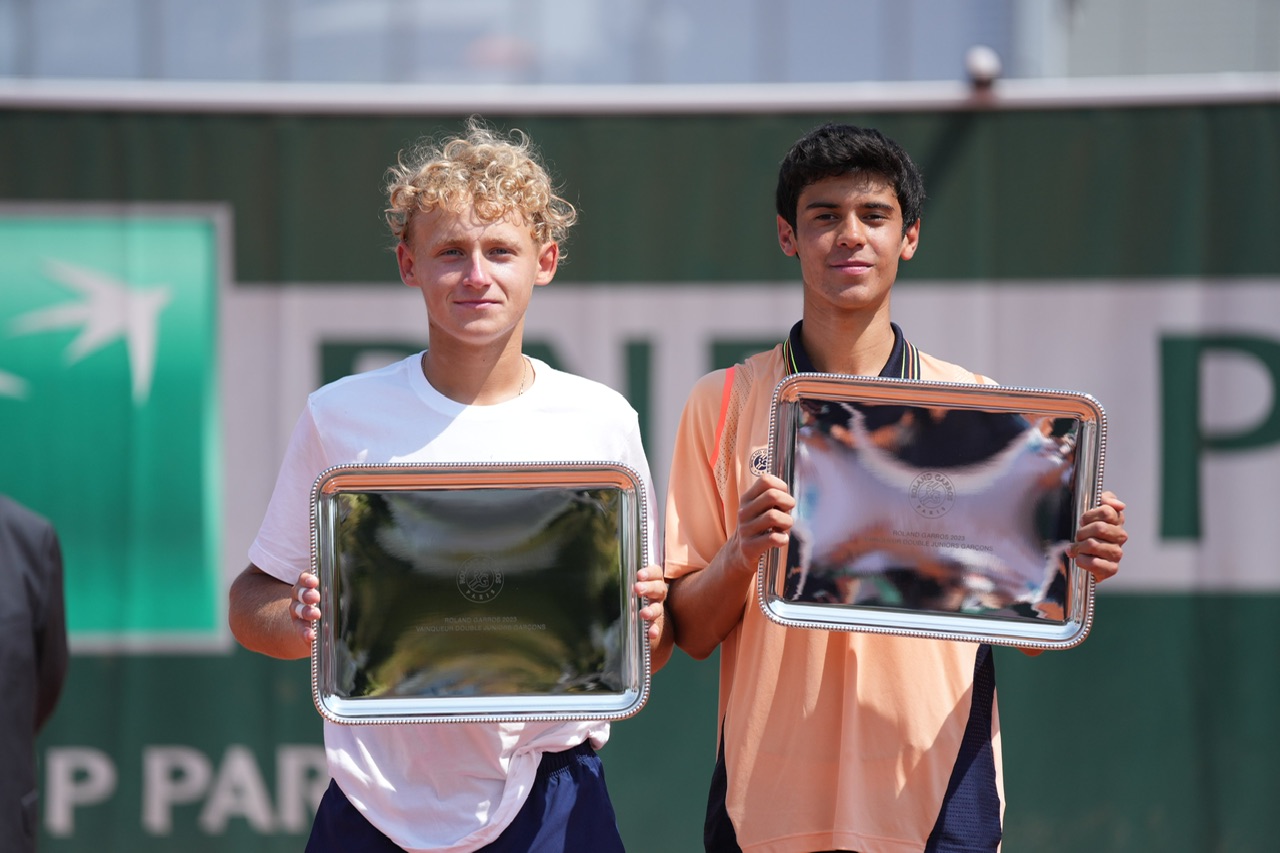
110	310
12	386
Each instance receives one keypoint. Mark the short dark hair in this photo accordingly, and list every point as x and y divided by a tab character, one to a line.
833	150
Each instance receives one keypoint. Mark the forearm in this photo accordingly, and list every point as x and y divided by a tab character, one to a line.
705	606
260	617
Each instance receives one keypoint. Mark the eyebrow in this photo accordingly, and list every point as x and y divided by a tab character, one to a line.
831	205
452	240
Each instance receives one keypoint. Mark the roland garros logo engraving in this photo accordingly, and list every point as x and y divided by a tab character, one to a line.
478	581
759	462
932	494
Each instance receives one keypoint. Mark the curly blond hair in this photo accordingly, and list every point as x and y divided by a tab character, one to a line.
496	175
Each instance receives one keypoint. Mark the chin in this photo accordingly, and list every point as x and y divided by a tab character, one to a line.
854	299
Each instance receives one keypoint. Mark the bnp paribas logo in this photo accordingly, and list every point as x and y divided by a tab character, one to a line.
108	412
103	309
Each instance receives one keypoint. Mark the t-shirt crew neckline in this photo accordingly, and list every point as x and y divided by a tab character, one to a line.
440	403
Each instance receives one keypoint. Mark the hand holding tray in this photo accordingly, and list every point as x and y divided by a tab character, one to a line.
934	509
479	593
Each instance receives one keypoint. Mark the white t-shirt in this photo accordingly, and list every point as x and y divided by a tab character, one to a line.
442	787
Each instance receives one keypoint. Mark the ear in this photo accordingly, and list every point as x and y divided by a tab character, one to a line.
404	259
548	261
786	237
910	241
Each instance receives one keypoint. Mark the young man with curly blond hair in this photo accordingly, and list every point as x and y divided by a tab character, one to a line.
478	227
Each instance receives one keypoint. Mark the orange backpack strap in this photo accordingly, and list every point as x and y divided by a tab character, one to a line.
725	397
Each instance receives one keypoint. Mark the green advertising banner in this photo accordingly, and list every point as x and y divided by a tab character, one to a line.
107	379
173	283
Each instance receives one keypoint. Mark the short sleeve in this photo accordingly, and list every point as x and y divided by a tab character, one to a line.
283	545
695	526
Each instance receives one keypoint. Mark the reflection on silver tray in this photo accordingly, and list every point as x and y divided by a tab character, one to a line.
934	509
479	593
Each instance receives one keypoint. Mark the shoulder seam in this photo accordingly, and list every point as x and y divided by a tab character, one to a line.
725	396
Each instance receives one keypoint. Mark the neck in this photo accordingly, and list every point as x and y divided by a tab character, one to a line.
477	378
857	344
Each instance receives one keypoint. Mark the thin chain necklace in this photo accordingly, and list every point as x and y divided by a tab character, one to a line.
524	370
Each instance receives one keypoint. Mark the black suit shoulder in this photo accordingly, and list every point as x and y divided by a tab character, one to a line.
23	523
33	621
32	608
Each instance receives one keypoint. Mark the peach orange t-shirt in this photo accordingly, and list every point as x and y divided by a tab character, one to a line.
829	739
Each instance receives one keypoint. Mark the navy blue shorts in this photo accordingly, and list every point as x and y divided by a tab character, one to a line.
568	810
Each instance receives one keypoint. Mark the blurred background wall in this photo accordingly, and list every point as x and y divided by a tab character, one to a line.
1103	218
628	41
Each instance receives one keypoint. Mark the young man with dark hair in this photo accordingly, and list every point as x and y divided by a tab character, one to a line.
831	740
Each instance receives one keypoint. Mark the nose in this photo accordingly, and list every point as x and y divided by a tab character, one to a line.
851	232
477	274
